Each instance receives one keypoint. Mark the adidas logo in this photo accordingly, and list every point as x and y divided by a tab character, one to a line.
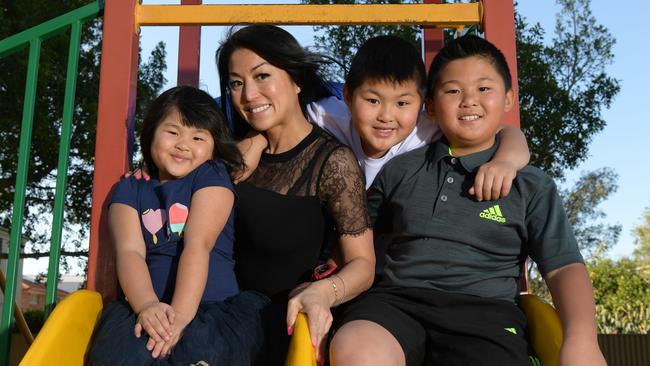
493	213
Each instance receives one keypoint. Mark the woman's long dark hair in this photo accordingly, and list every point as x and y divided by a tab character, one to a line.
197	109
281	50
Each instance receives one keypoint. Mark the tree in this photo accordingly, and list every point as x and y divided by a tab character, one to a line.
16	16
642	241
622	296
581	203
563	87
622	287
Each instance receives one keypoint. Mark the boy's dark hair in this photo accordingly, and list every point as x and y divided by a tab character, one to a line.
197	109
464	47
280	49
386	58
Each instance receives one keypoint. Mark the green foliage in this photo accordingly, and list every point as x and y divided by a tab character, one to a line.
563	86
35	320
342	42
16	16
642	240
622	296
581	203
621	291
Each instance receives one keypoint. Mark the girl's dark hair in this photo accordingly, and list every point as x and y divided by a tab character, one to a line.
280	49
464	47
197	109
387	58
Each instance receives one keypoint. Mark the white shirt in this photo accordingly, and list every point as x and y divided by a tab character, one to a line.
333	115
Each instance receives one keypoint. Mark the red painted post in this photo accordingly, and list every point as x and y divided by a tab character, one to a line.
499	28
189	51
434	39
113	150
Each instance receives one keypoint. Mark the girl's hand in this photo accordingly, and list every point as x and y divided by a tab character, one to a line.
156	319
315	300
493	180
164	348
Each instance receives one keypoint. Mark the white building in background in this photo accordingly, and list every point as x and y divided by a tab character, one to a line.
4	249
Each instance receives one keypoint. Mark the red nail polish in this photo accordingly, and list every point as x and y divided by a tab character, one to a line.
289	330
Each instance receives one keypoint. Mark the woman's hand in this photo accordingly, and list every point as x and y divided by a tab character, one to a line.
314	299
156	319
493	180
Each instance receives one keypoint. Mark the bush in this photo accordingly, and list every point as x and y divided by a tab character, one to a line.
35	320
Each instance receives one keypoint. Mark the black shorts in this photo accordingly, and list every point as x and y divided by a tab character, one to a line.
441	328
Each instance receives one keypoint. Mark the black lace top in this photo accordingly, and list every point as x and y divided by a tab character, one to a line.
289	208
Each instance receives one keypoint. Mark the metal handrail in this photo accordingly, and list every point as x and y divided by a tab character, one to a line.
33	38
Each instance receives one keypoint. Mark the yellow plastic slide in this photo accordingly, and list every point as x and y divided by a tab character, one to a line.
65	337
301	352
545	328
66	334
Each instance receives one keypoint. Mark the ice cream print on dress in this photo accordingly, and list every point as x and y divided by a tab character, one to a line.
153	221
177	217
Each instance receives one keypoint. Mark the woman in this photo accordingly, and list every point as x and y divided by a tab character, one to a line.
307	187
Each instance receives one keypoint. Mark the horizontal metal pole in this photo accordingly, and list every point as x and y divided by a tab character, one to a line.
49	28
432	15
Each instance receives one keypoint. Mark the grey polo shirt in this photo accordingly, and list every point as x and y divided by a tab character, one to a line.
444	239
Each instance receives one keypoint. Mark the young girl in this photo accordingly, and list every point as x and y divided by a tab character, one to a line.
173	238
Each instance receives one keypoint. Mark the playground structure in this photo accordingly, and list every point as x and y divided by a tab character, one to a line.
119	64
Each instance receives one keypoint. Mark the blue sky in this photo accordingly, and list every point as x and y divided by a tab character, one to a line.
621	145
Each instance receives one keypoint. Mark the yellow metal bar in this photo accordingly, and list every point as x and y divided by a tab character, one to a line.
431	15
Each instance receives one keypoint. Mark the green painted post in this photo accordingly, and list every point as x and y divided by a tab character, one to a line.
19	199
62	168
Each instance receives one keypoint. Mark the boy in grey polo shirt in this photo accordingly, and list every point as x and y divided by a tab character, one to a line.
449	290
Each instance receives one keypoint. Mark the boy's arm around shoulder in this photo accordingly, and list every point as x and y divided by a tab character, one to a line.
573	297
513	147
332	115
494	178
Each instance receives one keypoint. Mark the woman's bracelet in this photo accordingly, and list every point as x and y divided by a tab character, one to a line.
336	292
342	284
